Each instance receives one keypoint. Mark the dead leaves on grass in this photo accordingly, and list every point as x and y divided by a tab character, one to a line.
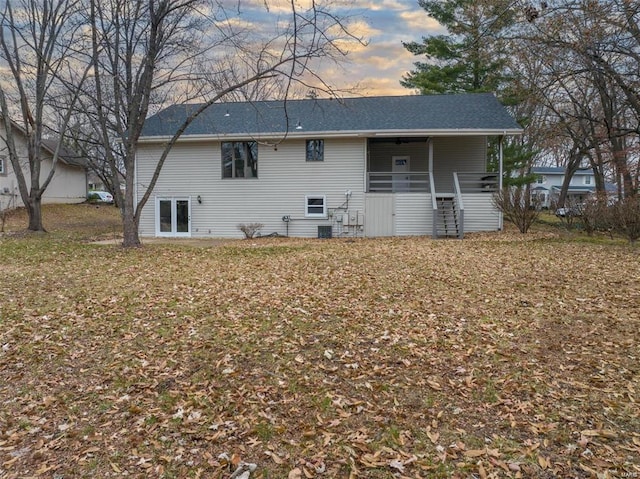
403	358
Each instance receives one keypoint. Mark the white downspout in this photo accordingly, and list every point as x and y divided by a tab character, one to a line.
365	182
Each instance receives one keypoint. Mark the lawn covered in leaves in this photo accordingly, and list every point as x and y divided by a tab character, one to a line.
498	356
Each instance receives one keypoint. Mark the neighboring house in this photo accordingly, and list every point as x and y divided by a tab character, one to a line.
549	181
371	166
69	183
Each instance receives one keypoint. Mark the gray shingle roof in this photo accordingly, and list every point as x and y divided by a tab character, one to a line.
67	155
469	112
559	170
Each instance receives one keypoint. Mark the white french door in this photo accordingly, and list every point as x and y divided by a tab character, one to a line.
173	217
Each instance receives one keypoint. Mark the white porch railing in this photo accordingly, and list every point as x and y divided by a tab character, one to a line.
398	182
478	182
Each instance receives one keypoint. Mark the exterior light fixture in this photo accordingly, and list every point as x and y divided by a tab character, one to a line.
227	114
298	126
199	199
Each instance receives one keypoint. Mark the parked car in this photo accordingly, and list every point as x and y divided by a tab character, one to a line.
100	196
575	210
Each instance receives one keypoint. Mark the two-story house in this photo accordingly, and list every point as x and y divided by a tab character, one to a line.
548	184
69	183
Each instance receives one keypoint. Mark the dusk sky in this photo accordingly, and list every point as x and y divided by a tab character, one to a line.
378	67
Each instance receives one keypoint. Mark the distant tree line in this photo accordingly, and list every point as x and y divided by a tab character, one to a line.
568	69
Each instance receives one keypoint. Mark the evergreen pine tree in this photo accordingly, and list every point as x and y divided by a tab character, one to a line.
471	58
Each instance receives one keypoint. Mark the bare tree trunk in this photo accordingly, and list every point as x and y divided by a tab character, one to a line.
597	163
131	209
572	166
36	45
131	238
34	208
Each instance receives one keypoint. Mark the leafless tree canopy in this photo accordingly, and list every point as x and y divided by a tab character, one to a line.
147	55
37	49
578	60
90	72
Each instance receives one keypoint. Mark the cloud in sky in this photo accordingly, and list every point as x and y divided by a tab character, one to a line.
381	66
376	68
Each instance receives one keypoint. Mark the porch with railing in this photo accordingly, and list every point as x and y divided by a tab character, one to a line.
478	182
398	182
421	182
467	205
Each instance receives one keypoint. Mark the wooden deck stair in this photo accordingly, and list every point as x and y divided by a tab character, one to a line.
447	218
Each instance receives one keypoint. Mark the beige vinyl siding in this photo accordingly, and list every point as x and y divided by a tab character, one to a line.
479	213
413	214
452	154
284	178
381	154
69	183
399	214
188	172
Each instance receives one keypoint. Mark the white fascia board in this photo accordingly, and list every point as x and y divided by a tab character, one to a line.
331	134
445	132
252	136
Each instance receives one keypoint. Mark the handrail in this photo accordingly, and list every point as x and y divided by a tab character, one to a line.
458	192
434	205
432	186
478	182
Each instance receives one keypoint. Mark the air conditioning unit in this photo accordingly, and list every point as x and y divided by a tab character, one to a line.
324	231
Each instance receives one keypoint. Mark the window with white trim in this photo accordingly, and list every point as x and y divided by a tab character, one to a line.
587	180
315	206
3	171
542	180
239	159
315	150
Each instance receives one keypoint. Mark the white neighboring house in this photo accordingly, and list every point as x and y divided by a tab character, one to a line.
549	183
69	183
369	166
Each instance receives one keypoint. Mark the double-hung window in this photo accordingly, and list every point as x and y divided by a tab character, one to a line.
3	166
315	206
315	150
239	159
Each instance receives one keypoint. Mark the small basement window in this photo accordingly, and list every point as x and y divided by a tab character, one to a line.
315	206
315	150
